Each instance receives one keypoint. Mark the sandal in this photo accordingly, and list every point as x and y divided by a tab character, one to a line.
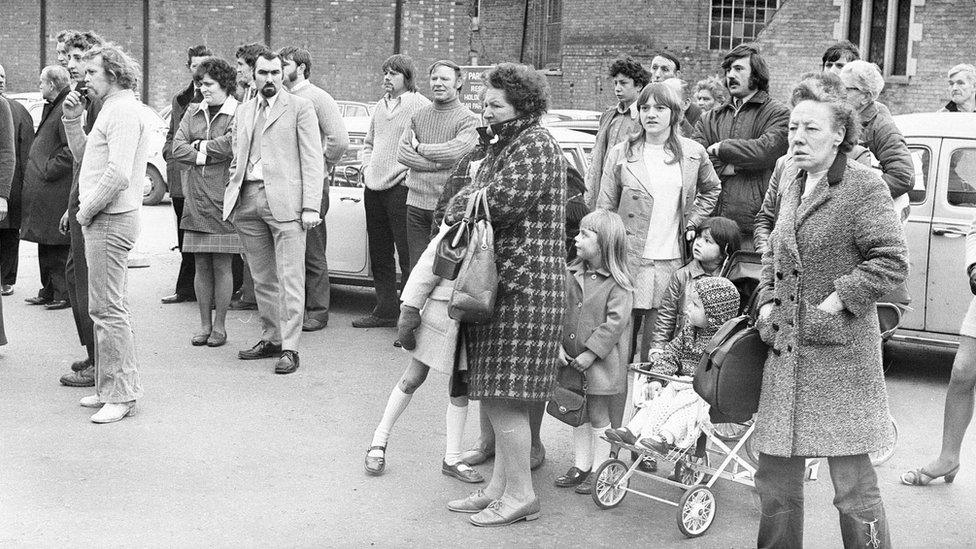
921	477
375	465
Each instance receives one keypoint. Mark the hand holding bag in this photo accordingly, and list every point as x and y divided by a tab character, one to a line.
473	300
568	402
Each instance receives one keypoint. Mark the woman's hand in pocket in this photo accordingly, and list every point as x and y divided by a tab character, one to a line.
832	304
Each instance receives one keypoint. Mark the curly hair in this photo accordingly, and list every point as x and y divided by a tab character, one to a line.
220	71
82	40
714	86
826	89
118	65
865	76
629	67
525	89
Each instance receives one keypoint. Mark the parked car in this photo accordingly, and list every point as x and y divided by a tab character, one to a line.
573	119
356	127
352	109
347	250
943	204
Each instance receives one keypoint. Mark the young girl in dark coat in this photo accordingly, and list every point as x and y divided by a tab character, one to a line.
599	293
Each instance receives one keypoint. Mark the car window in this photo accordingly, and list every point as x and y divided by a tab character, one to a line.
921	157
962	178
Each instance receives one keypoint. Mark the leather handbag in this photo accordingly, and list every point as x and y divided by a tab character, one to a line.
473	298
729	375
451	250
568	402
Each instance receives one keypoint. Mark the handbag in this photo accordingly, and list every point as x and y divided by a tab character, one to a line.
729	375
568	401
451	250
473	298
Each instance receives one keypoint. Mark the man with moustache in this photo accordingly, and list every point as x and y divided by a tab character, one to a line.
76	269
744	138
113	161
175	172
618	122
23	126
273	198
335	141
438	136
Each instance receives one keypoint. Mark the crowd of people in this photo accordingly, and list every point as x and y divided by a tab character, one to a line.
595	270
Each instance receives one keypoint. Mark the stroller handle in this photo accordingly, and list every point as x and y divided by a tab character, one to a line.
654	375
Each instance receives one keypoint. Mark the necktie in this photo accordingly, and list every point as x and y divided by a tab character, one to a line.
254	155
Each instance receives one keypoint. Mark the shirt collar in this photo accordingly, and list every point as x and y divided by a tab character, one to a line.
632	109
300	85
743	101
578	267
271	100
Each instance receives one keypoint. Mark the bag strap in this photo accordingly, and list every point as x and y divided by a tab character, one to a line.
484	204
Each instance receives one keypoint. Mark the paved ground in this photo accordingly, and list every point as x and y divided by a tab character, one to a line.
224	453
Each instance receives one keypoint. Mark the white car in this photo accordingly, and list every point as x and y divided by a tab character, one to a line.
348	252
155	182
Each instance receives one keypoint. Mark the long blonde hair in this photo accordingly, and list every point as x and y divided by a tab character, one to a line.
612	238
658	93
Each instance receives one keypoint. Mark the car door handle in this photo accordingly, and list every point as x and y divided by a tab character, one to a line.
354	199
948	232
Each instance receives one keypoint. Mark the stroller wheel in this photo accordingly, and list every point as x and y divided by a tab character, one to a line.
884	453
610	484
696	511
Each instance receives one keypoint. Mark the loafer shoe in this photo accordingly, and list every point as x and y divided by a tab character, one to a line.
263	349
7	289
80	365
462	472
477	456
573	477
90	401
375	465
84	378
37	300
585	487
475	502
58	304
370	321
242	306
313	325
200	339
216	339
114	411
498	514
176	298
287	363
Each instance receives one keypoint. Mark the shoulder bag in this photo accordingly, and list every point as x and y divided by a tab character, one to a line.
568	402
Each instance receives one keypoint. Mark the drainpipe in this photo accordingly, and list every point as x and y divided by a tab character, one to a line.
145	51
397	25
525	31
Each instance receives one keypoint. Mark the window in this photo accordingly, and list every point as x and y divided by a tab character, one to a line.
551	55
736	21
882	28
962	178
920	157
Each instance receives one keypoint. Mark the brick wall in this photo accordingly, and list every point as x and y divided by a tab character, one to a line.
20	44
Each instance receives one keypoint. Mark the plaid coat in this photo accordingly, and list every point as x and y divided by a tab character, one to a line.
515	356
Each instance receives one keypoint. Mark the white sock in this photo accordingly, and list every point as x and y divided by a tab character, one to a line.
454	432
582	447
601	448
394	407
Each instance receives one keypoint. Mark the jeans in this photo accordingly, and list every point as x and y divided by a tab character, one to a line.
386	227
108	241
184	280
779	482
419	221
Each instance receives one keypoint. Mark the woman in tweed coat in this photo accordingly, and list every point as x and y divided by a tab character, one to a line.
836	248
512	360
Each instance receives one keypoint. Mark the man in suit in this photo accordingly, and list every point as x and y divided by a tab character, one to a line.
10	225
273	198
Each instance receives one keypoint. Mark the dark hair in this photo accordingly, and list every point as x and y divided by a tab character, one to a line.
725	233
844	48
449	64
524	87
823	89
629	67
249	52
300	56
663	94
63	35
759	77
83	40
220	71
669	57
402	64
197	51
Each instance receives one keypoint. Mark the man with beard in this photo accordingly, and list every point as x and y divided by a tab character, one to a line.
744	138
335	140
175	172
10	224
273	198
76	269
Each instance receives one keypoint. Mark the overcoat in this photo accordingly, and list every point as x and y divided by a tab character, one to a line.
823	391
23	137
515	355
47	181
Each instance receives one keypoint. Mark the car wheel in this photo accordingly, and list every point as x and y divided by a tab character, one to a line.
154	188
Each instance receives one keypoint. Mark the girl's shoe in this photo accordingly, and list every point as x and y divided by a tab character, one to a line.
477	456
585	487
921	477
200	339
375	465
620	434
216	339
655	444
573	477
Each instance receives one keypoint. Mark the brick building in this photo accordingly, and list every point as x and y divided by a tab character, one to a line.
574	40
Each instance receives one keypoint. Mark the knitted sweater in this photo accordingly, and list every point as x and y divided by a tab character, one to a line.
445	132
382	170
335	139
112	184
